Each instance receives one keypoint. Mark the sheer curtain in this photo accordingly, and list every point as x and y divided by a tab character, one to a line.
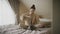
7	15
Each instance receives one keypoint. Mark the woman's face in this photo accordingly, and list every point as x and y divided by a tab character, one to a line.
32	11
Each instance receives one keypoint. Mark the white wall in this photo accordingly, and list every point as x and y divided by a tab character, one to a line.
7	15
43	7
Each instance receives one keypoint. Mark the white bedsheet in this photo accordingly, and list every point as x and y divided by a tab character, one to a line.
14	29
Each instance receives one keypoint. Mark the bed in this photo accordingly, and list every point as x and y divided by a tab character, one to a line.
15	29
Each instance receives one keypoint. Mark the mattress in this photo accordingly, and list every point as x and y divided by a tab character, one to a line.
15	29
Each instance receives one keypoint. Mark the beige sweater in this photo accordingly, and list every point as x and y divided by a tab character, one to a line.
26	19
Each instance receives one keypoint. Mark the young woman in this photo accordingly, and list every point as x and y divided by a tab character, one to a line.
30	19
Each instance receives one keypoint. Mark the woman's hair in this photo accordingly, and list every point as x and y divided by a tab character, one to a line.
33	7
